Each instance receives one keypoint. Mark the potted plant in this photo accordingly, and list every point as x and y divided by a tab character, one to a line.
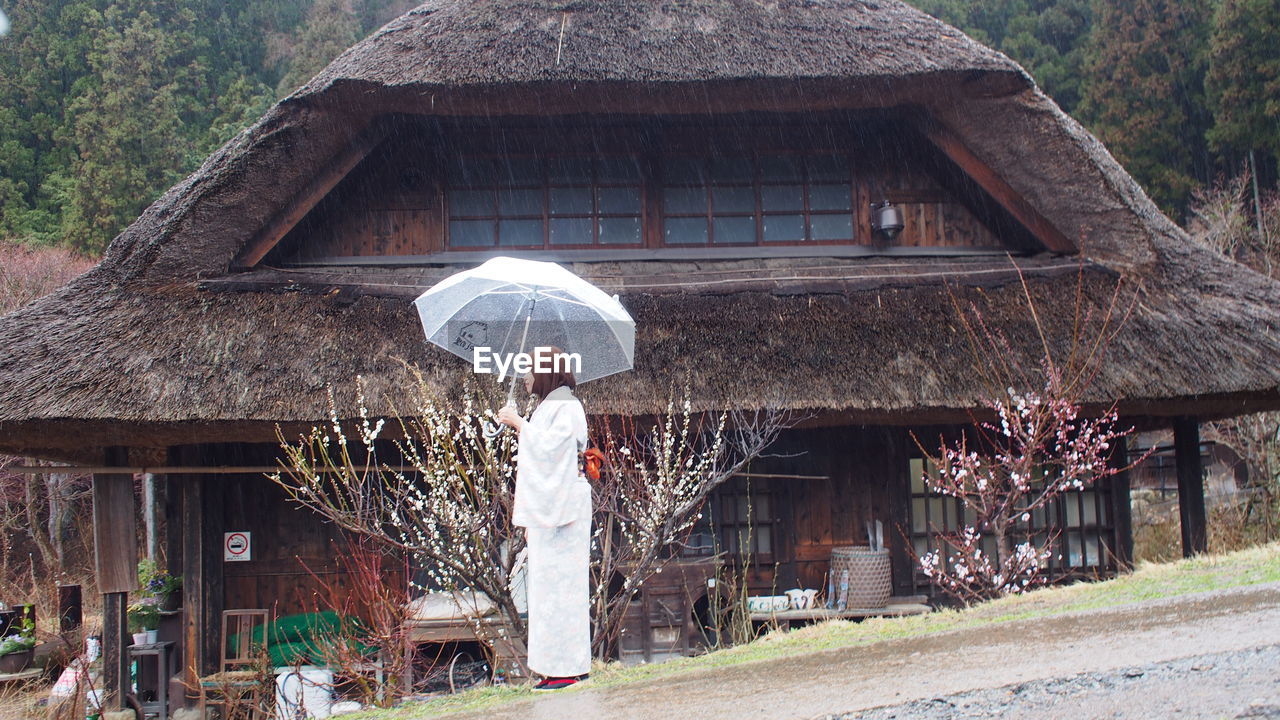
143	616
166	588
16	650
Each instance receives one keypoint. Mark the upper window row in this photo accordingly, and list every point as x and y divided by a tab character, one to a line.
573	200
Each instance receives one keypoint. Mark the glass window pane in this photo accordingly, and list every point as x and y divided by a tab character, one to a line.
734	169
520	232
830	197
970	516
619	200
471	233
520	171
1072	502
782	197
950	505
734	230
917	475
780	168
1090	514
761	503
917	516
1092	556
470	172
744	513
783	228
618	169
571	231
733	199
937	519
685	231
569	170
677	169
620	231
1073	549
471	203
831	227
520	202
764	539
569	201
684	200
824	168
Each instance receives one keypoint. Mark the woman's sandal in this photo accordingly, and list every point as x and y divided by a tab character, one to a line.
558	683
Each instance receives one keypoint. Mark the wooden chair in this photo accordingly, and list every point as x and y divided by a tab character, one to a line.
239	688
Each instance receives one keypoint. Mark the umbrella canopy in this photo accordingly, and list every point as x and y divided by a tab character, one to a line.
489	314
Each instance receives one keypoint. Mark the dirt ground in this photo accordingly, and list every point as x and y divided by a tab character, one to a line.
1206	655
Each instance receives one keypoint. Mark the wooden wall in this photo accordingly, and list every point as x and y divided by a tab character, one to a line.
298	559
392	203
865	473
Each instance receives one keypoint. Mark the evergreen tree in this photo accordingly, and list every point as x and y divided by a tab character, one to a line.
330	28
1244	81
1145	95
129	128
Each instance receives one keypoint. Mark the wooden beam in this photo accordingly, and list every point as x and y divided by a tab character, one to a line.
995	185
1121	510
1186	444
313	192
202	582
115	641
116	561
114	531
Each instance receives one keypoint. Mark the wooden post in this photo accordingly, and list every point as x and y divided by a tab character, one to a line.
202	592
1186	448
1122	542
116	555
70	608
897	535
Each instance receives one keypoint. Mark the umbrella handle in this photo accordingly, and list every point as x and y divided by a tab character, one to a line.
491	430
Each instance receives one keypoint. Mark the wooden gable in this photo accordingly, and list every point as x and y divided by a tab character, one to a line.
402	199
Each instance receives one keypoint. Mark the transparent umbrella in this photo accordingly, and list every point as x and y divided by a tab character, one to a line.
490	314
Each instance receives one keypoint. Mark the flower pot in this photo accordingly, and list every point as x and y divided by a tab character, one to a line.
153	637
15	662
140	638
171	601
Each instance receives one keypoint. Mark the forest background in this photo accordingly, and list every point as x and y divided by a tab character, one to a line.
104	104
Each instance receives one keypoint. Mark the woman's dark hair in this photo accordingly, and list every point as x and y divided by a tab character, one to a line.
558	372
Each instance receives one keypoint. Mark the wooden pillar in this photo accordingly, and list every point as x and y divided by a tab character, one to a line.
70	608
897	534
1122	512
116	555
1186	447
202	594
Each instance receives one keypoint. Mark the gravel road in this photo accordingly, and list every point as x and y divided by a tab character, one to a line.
1238	684
1076	665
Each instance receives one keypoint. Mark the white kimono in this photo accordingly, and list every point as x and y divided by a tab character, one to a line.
553	504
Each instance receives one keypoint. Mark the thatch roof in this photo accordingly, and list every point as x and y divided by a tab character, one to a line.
163	344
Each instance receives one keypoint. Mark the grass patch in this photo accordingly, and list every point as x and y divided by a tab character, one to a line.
1149	581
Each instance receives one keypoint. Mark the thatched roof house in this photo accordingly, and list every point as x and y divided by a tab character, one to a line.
171	339
286	262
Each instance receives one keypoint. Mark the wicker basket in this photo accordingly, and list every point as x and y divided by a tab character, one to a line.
870	582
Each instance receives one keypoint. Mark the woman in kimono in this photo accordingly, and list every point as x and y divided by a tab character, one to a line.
553	504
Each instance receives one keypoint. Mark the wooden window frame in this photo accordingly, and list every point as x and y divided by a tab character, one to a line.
725	498
546	217
1048	520
650	149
